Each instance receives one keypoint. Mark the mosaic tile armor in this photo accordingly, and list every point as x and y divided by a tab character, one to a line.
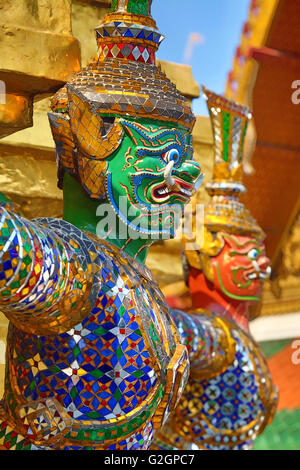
229	398
90	348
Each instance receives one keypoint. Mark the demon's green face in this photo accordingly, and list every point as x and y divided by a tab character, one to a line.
146	171
151	177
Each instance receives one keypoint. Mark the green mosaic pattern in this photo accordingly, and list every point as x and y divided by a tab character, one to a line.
138	7
114	5
270	348
282	434
226	128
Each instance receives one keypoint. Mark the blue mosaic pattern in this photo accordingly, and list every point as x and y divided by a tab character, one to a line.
229	409
72	388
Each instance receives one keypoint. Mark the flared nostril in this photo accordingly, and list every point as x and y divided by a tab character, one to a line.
264	262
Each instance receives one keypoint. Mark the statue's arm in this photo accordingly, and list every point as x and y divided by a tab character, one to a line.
42	283
209	341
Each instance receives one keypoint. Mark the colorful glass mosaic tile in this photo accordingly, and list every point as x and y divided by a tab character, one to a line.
94	378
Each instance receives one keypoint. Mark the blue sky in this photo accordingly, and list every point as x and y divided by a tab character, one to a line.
218	22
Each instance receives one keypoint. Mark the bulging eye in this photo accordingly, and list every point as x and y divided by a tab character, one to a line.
253	254
171	155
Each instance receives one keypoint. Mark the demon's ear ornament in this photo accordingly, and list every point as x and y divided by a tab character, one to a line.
93	138
83	141
207	246
65	145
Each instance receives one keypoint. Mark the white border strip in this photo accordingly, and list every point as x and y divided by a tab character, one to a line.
276	327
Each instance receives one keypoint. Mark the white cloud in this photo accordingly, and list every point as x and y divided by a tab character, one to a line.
194	39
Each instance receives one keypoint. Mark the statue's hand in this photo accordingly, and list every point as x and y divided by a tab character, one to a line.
209	341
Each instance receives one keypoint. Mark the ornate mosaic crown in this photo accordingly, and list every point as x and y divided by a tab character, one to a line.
123	79
225	212
129	32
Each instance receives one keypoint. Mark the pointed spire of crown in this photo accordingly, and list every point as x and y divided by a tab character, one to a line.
229	122
225	211
129	32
